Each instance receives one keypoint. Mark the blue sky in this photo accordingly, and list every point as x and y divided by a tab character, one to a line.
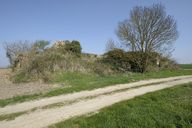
92	22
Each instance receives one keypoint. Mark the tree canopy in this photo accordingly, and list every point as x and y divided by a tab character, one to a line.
149	29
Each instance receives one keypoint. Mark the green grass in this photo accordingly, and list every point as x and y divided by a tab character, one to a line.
79	82
186	66
169	108
11	116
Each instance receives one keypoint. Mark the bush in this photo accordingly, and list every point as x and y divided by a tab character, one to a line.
124	61
169	64
43	64
20	77
117	58
97	67
134	61
74	47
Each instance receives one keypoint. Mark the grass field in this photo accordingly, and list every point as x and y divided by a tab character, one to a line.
169	108
79	82
186	66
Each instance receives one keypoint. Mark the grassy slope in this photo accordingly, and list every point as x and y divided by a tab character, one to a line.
169	108
186	66
81	82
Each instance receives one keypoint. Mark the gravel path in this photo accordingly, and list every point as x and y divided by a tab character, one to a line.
45	117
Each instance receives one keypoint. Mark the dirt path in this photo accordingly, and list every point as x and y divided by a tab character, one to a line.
45	117
74	96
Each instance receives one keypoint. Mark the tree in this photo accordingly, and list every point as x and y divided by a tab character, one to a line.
73	47
40	45
14	49
110	45
148	30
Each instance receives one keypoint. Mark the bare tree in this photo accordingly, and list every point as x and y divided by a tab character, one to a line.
148	30
110	45
13	49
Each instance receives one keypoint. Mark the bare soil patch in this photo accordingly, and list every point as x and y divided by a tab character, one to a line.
9	89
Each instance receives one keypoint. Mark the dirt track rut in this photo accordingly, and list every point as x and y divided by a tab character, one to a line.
45	117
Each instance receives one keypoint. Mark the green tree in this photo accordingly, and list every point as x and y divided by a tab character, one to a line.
40	45
73	47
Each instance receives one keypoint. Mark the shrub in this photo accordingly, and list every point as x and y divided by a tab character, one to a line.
117	59
97	67
133	61
169	64
43	64
20	77
74	47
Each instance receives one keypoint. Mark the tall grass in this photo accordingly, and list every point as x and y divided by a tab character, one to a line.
186	66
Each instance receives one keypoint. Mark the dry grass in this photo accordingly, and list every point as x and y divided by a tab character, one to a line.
5	72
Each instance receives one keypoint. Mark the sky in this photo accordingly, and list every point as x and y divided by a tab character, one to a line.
92	22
